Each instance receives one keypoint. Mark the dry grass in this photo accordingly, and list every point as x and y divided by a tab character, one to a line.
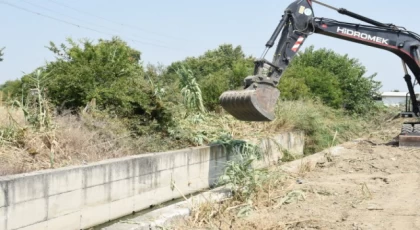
275	191
73	141
9	115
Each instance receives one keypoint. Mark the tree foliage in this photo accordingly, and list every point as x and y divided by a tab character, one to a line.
216	71
340	81
1	54
83	72
222	58
308	81
12	88
110	72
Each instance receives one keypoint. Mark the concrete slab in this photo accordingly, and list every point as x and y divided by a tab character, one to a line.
158	218
65	222
65	181
64	203
27	213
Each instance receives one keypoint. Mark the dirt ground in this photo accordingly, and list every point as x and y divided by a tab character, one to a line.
369	186
372	184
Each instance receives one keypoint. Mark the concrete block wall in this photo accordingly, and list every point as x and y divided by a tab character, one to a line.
81	197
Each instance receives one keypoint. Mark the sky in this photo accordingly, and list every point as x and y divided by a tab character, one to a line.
168	31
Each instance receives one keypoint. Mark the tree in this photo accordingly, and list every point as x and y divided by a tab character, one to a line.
13	88
110	72
338	80
1	54
308	81
224	57
89	71
216	71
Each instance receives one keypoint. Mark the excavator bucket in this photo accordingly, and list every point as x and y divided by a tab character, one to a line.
251	104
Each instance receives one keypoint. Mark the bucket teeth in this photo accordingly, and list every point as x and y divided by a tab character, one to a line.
251	104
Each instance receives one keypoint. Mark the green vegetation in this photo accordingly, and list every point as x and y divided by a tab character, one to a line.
108	93
1	54
321	123
109	71
338	80
190	90
216	71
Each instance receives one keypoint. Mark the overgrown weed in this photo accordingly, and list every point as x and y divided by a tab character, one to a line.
94	135
253	190
264	189
321	123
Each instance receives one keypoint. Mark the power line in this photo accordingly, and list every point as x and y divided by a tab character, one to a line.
76	25
118	23
47	9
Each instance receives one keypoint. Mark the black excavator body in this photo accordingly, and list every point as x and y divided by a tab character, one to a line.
258	99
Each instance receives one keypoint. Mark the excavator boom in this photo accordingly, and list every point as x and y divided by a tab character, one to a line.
258	99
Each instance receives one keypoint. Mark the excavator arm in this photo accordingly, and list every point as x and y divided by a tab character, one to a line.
257	101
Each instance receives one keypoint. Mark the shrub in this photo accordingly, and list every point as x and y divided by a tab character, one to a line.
339	81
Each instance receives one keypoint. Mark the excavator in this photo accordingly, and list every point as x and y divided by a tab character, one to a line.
256	102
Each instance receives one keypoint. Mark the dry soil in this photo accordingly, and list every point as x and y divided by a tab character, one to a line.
372	184
368	186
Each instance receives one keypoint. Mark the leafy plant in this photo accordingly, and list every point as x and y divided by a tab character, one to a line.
108	71
1	54
37	110
13	89
338	80
240	175
243	179
215	71
190	90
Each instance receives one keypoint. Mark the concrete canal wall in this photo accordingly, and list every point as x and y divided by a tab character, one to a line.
84	196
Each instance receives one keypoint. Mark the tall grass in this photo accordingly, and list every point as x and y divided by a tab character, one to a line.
319	122
324	126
